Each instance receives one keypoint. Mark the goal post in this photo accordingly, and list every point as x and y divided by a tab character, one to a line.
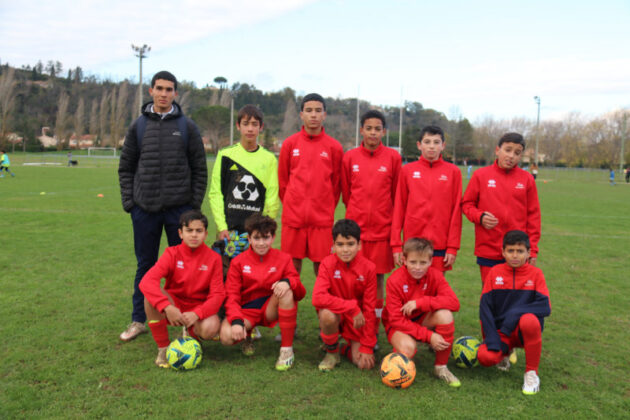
107	152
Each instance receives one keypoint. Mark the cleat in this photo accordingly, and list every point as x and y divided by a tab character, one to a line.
133	330
256	335
285	359
160	360
531	383
513	357
330	361
504	364
247	347
442	372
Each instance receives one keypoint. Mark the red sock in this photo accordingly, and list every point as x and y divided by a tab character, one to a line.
446	331
346	350
331	341
287	321
532	341
159	331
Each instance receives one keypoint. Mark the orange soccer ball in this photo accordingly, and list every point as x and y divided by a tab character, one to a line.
397	371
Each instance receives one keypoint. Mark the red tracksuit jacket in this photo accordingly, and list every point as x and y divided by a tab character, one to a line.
368	186
511	196
508	293
347	289
431	293
427	205
309	177
193	276
251	276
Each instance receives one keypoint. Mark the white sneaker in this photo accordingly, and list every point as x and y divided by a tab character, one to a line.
531	383
442	372
504	364
285	359
133	330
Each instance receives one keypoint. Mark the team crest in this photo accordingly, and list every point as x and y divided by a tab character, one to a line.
273	269
180	264
416	174
296	152
360	278
405	288
355	168
443	178
520	186
492	183
498	281
203	267
382	169
337	274
247	269
324	154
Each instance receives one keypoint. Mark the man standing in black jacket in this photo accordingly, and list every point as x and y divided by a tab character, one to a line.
162	173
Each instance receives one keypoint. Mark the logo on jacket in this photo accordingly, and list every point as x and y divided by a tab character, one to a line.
324	154
247	269
520	186
203	267
180	264
529	283
492	183
405	288
177	133
273	269
296	152
382	169
337	274
246	189
498	281
360	278
443	178
424	287
355	168
416	174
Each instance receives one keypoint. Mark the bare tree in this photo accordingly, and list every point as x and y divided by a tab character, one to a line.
103	118
226	98
94	117
118	105
7	101
61	123
184	102
214	98
291	120
79	120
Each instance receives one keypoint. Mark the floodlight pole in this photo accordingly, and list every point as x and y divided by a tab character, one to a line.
140	53
623	141
537	99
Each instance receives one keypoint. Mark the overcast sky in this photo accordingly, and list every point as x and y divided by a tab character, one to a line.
458	57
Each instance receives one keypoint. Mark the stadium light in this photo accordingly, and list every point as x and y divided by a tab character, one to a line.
537	99
140	53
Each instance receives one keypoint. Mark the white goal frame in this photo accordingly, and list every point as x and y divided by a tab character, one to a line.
91	149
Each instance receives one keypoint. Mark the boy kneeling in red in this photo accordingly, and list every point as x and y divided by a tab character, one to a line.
263	288
419	307
514	302
193	291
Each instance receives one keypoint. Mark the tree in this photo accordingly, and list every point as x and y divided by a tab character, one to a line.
103	117
214	122
221	81
291	120
7	101
93	127
61	124
118	106
79	120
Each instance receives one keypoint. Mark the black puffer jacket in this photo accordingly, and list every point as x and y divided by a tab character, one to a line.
162	174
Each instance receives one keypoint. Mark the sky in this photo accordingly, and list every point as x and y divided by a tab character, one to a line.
466	59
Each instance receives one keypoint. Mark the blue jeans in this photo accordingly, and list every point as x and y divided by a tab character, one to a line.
147	232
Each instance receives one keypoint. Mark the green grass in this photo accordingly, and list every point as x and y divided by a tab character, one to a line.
67	268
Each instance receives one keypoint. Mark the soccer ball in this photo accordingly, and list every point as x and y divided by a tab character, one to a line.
465	351
184	353
397	371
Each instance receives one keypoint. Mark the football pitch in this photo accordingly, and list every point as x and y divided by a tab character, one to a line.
66	275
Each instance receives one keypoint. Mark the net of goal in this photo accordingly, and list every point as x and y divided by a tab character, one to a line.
108	152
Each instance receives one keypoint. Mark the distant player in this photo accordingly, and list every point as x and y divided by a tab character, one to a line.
309	174
344	296
369	179
193	289
263	288
514	303
420	306
5	164
499	198
428	200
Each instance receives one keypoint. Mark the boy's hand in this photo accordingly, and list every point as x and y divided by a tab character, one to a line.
279	288
359	320
408	308
398	258
174	316
224	234
438	343
449	259
189	318
489	221
238	333
365	361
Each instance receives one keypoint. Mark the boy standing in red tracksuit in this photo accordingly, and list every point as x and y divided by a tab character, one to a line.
514	303
263	288
193	291
368	186
420	306
428	201
499	198
309	177
344	296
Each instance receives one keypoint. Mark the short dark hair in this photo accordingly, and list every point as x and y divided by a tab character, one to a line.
250	111
431	129
260	223
373	113
190	216
512	138
516	237
346	228
312	97
420	245
164	75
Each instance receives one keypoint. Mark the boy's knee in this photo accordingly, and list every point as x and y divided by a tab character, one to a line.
443	316
287	299
327	318
529	323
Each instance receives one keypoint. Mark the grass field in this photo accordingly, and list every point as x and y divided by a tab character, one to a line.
67	268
